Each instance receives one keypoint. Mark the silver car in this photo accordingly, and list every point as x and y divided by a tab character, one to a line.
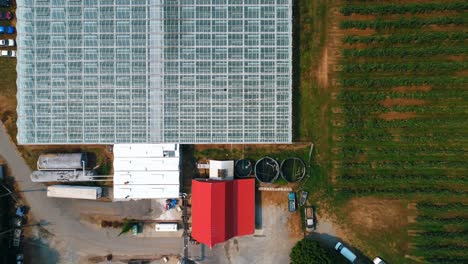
8	53
7	43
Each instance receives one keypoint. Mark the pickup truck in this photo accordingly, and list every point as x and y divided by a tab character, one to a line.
309	218
292	201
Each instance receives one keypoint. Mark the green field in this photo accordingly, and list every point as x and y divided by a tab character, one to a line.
402	123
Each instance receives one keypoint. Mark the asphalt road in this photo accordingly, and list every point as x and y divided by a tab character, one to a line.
63	217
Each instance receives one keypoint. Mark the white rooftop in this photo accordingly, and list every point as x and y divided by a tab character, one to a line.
220	167
146	171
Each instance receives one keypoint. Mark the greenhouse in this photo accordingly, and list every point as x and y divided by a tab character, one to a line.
153	71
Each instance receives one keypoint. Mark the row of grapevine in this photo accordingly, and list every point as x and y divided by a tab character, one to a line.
405	51
414	8
394	81
403	23
428	66
399	191
419	38
437	92
446	207
392	175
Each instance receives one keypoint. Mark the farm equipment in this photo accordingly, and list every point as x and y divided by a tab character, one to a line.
171	203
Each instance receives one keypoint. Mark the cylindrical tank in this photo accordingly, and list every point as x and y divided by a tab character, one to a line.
62	161
243	168
292	169
62	176
266	170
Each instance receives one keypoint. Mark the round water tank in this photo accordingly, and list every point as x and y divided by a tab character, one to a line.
243	168
266	170
293	169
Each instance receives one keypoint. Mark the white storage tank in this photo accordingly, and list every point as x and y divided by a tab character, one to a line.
74	192
62	175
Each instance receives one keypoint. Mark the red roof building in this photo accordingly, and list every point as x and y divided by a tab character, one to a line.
222	210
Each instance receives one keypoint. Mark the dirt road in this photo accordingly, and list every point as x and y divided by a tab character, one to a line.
73	238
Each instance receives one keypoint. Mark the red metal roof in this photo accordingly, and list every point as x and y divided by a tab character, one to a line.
222	210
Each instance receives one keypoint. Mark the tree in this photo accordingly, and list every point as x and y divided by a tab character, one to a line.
308	251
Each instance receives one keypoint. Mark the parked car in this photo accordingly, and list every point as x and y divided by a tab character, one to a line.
309	217
292	201
8	53
21	210
378	260
6	15
7	42
2	172
17	237
19	259
7	30
135	229
345	252
5	3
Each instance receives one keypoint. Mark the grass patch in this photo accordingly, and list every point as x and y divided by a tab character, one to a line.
309	39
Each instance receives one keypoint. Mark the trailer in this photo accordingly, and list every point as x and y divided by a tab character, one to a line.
62	161
74	192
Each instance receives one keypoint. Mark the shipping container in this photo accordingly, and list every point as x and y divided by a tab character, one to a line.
75	192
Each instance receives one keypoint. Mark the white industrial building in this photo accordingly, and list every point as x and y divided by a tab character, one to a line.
146	171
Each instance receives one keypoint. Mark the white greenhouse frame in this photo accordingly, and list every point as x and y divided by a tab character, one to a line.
154	71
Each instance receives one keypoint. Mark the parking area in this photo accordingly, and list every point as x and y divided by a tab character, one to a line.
277	230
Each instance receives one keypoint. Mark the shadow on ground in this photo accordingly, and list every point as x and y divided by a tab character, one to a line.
37	252
330	242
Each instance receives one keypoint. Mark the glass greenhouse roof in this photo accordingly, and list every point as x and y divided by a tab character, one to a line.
152	71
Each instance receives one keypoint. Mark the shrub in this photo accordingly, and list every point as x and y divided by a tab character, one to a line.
308	251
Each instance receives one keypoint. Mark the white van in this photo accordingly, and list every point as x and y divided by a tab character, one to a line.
166	227
345	252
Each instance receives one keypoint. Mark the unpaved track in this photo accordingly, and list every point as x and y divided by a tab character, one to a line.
74	237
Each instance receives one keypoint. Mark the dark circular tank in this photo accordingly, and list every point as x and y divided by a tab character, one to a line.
292	169
243	168
266	170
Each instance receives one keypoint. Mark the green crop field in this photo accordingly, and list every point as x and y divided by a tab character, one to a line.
401	128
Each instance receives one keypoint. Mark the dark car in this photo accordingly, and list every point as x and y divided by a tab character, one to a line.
6	15
19	258
5	3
